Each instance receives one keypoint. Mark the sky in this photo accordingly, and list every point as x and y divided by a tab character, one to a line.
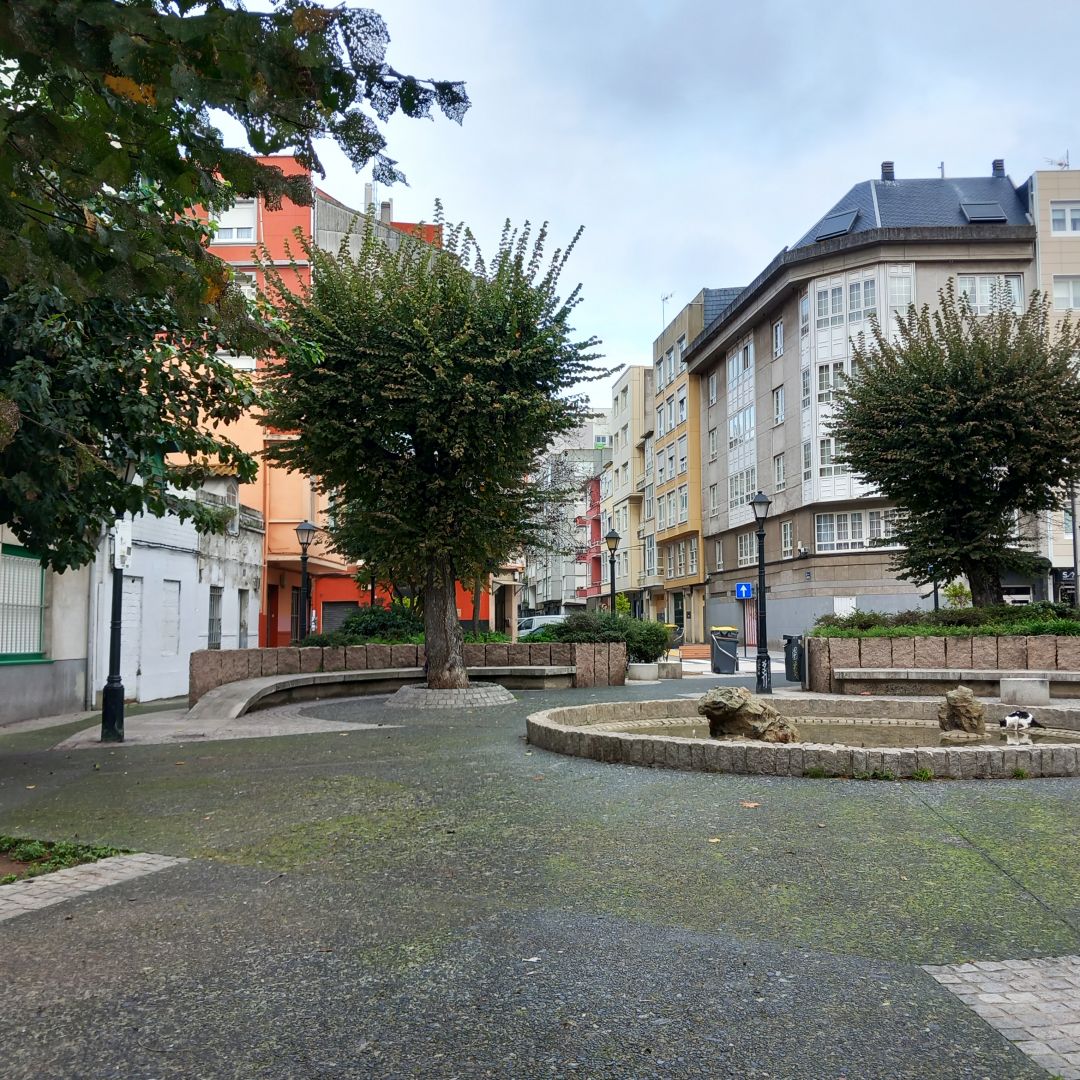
693	141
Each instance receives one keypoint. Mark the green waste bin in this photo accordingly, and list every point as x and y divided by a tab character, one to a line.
724	649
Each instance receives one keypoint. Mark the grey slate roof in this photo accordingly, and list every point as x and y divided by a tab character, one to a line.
900	204
716	300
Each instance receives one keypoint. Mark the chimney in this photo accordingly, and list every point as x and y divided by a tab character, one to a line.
386	212
887	171
369	197
998	168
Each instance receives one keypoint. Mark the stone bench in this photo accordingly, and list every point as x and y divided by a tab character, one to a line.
233	699
1016	687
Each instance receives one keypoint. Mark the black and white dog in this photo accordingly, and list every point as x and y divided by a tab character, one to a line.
1020	720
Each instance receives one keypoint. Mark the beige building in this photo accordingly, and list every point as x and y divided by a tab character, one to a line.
771	362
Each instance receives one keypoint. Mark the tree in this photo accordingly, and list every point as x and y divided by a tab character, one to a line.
965	421
112	311
428	386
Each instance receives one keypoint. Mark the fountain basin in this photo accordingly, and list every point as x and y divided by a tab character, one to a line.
633	733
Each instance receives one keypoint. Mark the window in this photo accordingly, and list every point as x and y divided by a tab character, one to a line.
661	468
246	283
741	487
778	405
901	292
779	472
1065	217
661	512
213	633
670	365
660	429
787	539
807	461
741	426
714	500
650	555
718	555
648	509
747	546
671	509
862	299
712	388
670	412
671	461
237	224
778	338
684	502
712	443
830	306
829	451
693	554
992	292
682	405
839	532
881	526
1066	293
680	348
682	454
671	560
625	435
804	314
740	361
829	379
660	374
170	617
806	388
22	604
1067	521
615	443
681	553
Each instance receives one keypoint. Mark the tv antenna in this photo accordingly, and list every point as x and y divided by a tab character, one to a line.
664	298
1059	163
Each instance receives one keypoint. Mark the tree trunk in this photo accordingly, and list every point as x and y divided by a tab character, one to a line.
442	634
478	588
985	584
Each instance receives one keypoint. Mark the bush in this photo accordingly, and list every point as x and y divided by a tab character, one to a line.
393	623
645	641
1001	619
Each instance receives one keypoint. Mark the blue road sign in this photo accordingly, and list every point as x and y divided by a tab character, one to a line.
744	590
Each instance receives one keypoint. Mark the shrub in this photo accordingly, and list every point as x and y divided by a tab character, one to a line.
380	622
1001	619
645	641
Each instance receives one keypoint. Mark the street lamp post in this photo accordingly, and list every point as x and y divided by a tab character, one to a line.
760	504
305	533
112	694
612	540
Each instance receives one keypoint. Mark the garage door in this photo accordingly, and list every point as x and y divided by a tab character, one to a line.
335	612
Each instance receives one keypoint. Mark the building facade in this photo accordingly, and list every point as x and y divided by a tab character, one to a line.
769	366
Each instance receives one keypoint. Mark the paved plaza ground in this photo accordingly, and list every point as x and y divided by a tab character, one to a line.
432	898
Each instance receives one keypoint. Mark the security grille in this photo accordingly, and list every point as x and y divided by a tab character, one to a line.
213	639
22	596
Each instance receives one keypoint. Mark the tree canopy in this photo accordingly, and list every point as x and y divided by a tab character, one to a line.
967	422
111	307
430	383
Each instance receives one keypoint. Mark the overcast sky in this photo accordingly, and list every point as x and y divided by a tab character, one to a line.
693	141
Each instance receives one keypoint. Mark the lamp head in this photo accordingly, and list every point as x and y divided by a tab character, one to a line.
612	540
305	533
760	504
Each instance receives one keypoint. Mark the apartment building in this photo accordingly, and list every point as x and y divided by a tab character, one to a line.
672	577
624	481
771	362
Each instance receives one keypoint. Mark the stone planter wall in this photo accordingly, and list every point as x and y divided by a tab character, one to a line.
596	665
1042	653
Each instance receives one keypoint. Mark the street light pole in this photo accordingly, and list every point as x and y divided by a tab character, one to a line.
112	696
305	533
760	504
612	540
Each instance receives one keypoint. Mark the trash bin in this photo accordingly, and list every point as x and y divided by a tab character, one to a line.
793	657
724	649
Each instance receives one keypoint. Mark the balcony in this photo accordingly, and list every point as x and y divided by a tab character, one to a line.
642	483
649	581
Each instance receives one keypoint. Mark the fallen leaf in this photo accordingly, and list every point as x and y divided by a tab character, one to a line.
749	805
715	839
531	960
821	824
30	787
538	778
179	762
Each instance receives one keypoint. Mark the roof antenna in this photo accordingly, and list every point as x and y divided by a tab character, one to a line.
942	168
1059	163
664	298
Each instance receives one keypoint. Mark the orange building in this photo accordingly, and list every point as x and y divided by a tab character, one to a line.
288	498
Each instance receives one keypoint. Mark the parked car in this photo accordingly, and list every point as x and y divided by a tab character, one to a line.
534	622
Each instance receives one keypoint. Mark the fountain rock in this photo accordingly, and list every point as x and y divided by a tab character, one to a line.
733	712
962	712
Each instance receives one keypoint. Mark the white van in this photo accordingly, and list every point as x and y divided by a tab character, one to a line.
534	622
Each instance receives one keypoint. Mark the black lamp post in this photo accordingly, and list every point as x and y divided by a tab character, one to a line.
112	695
305	533
612	540
760	504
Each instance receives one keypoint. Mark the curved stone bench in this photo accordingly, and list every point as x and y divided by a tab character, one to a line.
234	699
984	682
586	731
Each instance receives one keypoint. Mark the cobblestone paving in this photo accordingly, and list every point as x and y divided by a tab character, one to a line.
477	695
33	893
1033	1003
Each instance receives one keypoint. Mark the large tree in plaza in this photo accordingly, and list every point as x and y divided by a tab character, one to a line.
428	384
967	422
112	312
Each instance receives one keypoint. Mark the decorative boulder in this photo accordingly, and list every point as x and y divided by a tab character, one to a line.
961	712
733	712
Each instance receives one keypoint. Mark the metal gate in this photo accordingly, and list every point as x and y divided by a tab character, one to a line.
213	629
335	612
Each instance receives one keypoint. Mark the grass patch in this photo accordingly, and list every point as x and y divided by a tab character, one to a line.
875	774
45	856
1021	774
923	774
